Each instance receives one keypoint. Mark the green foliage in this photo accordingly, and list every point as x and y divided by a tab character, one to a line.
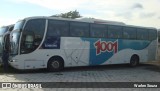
70	14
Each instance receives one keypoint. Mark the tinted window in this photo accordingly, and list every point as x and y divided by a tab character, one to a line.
6	41
58	28
142	34
11	28
129	33
32	35
1	44
152	34
37	26
14	40
78	29
98	30
18	25
3	30
114	32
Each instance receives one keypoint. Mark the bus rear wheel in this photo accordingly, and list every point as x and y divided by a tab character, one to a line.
134	61
55	64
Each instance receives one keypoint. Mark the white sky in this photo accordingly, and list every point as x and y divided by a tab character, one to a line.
133	12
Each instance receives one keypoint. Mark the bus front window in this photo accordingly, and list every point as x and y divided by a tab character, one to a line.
3	30
1	44
14	42
14	37
32	35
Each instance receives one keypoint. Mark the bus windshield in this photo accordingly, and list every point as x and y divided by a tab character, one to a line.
2	31
14	42
14	37
18	25
1	44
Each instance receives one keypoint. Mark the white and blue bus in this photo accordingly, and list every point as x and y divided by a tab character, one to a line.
4	39
55	43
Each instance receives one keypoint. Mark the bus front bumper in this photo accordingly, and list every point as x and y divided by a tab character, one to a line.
13	63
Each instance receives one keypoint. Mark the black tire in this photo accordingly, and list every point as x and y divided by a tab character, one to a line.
134	61
55	64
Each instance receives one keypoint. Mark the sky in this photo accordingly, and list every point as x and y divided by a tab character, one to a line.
132	12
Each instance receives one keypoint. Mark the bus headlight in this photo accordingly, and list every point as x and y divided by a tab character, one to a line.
13	60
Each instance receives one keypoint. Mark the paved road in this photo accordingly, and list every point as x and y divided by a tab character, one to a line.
109	73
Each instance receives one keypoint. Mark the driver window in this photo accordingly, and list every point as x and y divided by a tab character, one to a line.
29	42
32	35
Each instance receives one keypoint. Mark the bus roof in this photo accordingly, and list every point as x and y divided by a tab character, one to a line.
8	25
100	21
89	20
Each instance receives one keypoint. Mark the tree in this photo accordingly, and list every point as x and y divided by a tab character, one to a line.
70	14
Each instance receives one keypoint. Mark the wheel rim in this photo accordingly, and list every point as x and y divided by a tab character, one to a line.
55	64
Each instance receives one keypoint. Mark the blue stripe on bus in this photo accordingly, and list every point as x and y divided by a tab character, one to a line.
103	49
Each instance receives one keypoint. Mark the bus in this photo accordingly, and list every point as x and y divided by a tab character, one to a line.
4	31
55	43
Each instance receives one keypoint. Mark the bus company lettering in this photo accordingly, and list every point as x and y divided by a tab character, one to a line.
103	46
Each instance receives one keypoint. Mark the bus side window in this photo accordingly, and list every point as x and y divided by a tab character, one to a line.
79	32
57	28
129	33
142	34
98	30
110	34
78	29
114	31
57	32
126	35
152	34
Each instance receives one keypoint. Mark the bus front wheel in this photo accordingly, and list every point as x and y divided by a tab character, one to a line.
134	61
55	64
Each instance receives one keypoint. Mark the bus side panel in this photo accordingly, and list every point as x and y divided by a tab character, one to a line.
152	51
76	51
115	51
30	60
